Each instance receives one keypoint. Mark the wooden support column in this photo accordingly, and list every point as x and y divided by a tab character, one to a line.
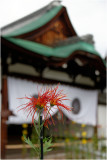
4	116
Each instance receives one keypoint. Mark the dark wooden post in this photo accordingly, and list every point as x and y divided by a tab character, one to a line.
4	116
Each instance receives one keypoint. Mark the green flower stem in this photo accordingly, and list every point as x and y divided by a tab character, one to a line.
46	117
41	139
40	148
39	134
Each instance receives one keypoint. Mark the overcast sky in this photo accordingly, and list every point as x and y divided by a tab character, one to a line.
87	16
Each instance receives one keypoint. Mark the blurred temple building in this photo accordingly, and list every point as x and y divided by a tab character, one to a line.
44	49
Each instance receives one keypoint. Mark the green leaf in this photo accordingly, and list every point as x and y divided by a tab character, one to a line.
47	144
28	141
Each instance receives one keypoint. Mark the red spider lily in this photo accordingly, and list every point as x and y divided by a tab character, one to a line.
41	103
36	104
57	98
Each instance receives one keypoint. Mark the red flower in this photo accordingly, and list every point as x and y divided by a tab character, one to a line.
57	98
49	96
36	104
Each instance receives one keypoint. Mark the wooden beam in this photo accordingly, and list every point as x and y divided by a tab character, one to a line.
61	144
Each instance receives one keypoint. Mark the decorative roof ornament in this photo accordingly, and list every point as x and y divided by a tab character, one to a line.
52	4
56	2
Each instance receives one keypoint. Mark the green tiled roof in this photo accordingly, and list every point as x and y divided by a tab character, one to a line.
60	51
38	22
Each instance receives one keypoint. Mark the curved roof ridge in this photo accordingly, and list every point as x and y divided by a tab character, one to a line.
71	40
29	18
65	51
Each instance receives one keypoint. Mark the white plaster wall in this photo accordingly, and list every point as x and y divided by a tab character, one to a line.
102	112
23	69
